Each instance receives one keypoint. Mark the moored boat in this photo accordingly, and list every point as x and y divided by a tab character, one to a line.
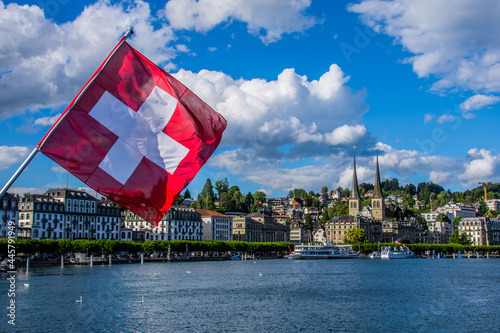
375	255
326	251
398	252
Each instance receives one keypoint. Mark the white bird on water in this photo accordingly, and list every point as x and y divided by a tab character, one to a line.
79	300
26	284
260	274
142	300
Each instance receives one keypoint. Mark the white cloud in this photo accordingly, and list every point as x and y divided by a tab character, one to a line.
345	135
47	121
428	117
267	19
58	169
445	118
441	177
481	166
12	155
457	41
31	190
287	111
479	101
44	64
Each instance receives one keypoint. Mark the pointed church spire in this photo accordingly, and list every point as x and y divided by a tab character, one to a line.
377	190
354	188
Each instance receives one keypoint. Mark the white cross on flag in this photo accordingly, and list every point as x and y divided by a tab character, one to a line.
136	135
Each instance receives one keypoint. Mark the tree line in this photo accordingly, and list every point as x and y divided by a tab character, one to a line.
104	247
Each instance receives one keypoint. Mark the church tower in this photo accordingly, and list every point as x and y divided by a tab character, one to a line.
378	202
354	198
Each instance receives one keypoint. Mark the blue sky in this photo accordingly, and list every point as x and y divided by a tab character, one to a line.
300	83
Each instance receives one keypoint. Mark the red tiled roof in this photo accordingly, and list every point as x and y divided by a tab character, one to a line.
207	212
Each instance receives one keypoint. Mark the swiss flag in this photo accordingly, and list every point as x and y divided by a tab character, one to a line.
135	135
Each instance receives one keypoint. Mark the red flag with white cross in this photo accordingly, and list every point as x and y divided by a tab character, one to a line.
135	134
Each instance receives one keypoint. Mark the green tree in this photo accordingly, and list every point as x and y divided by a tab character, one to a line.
484	208
410	189
309	223
249	201
221	186
441	217
457	238
324	190
339	208
355	236
457	220
208	189
258	196
206	199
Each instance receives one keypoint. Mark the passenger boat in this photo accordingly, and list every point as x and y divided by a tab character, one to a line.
401	252
326	251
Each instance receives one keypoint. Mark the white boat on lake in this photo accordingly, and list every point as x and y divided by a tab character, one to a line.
327	251
398	252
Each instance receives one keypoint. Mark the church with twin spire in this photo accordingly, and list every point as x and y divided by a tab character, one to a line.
378	202
372	219
337	227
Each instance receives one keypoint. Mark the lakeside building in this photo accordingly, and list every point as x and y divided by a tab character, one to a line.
9	214
258	227
493	204
319	235
177	223
337	227
216	225
441	231
68	214
457	209
298	234
481	230
402	231
276	201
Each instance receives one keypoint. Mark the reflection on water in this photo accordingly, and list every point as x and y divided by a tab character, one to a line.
419	295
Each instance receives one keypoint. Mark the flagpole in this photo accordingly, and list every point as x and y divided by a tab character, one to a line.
30	157
18	172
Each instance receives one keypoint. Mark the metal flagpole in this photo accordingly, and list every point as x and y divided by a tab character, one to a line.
63	115
18	172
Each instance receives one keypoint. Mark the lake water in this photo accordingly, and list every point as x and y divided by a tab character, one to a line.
357	295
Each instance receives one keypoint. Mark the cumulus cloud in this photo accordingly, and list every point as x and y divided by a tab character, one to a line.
453	40
345	135
47	121
12	155
290	110
445	118
267	19
478	102
481	165
428	117
44	64
31	190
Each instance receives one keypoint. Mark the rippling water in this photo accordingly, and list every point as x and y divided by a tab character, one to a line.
362	295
